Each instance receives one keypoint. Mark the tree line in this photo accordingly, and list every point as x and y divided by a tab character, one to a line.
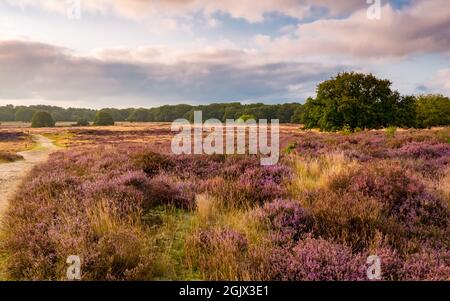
167	113
347	101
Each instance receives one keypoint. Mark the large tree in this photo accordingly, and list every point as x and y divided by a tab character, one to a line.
353	100
433	110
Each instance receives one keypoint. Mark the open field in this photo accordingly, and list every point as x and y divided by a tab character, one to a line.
12	142
117	198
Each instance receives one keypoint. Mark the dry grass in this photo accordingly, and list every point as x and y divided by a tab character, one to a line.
314	173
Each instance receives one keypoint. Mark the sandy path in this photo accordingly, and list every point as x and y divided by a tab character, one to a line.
11	174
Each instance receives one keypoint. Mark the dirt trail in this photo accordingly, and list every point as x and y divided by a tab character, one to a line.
11	174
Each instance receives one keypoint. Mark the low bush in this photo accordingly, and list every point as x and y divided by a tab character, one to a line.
42	119
9	157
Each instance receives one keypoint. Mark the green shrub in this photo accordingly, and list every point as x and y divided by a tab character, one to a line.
390	131
290	148
103	119
42	119
246	117
346	130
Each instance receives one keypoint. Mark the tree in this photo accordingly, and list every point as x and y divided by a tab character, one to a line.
433	110
353	100
24	114
298	115
42	119
103	118
139	115
59	116
7	113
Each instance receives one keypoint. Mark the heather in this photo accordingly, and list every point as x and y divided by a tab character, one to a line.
133	211
9	157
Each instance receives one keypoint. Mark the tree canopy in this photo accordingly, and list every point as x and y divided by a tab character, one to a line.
42	119
24	114
433	110
103	118
356	100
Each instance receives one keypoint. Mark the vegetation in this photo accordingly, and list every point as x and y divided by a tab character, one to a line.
357	100
348	102
166	113
6	157
12	142
133	212
24	114
82	122
103	118
42	119
433	110
247	117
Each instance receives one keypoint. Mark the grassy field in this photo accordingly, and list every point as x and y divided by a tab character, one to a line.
117	198
13	142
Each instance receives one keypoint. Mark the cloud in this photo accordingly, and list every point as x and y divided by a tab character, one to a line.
31	70
441	81
422	27
252	11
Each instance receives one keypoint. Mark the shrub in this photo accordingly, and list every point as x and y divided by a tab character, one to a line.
220	254
287	220
316	260
290	148
403	194
264	183
349	218
153	163
246	117
390	131
103	119
42	119
163	190
427	264
9	157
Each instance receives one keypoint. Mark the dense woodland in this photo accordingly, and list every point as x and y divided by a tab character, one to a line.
348	101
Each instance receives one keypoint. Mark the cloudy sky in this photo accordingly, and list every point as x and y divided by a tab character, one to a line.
147	53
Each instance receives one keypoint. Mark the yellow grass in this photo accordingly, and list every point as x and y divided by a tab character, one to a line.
312	174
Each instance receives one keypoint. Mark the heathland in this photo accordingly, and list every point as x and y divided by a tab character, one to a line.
374	181
117	198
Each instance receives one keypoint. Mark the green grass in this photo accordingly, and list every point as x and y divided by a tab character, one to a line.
60	139
170	237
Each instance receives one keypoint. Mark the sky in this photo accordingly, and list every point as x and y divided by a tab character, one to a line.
147	53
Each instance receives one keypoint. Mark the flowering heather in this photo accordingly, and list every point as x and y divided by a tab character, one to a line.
132	211
11	136
287	219
264	183
316	260
404	195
